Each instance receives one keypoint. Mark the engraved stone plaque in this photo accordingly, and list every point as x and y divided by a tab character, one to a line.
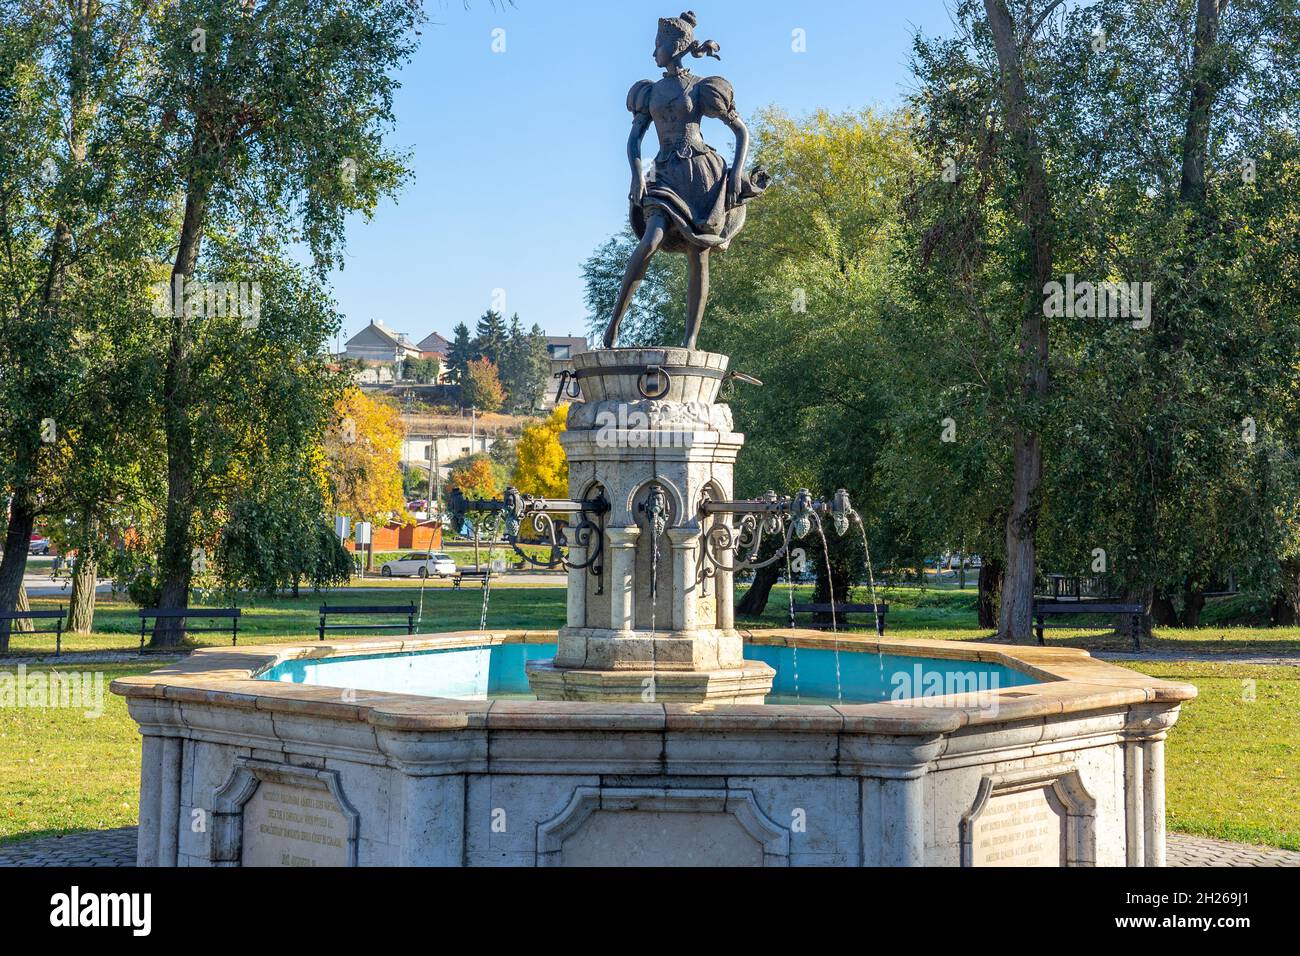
651	826
287	824
1020	828
632	838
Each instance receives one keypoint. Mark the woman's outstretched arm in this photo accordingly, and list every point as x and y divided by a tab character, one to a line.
640	123
736	176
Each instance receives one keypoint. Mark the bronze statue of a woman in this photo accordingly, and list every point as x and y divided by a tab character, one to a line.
693	203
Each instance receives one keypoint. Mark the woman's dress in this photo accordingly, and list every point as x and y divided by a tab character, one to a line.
688	184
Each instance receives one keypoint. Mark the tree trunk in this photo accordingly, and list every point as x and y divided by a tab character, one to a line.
175	565
1286	607
755	599
23	604
1163	613
1016	613
1016	610
12	596
1193	604
990	593
81	605
1197	133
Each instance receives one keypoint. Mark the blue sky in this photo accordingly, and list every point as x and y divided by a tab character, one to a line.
518	155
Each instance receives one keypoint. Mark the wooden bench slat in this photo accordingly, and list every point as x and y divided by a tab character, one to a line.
174	612
360	627
368	608
843	610
403	610
848	608
1046	608
1086	607
231	614
7	619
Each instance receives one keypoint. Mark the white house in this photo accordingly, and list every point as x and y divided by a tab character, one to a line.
378	343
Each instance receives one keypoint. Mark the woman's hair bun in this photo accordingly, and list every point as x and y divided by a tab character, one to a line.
689	17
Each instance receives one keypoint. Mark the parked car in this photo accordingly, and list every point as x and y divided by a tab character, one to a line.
39	544
420	564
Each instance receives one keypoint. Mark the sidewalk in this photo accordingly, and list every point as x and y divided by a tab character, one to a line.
117	848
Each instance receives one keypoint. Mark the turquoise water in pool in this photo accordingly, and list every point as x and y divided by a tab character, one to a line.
803	675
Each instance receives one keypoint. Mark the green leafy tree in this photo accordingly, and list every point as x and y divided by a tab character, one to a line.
261	145
424	371
512	366
460	354
491	336
69	210
482	388
276	536
525	367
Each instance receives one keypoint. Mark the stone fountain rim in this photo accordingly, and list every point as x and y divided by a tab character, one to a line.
1073	682
652	355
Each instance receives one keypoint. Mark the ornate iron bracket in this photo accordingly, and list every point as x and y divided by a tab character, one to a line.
569	387
728	547
514	507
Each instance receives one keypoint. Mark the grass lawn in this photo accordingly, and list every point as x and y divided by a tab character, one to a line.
270	620
62	771
1233	764
949	614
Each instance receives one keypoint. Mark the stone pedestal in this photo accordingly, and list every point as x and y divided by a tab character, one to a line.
657	624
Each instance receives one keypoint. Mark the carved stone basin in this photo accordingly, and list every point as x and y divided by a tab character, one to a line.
1065	770
622	375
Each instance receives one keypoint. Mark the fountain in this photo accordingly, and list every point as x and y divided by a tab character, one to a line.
650	729
647	729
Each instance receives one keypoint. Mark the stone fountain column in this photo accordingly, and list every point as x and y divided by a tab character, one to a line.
626	640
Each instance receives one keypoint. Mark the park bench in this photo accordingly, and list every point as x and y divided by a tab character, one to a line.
7	619
483	577
842	611
216	613
326	611
1047	608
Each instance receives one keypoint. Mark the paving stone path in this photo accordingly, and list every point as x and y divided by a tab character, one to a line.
117	848
1184	850
88	848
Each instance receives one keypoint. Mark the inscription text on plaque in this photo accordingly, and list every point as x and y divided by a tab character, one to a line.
1020	828
288	825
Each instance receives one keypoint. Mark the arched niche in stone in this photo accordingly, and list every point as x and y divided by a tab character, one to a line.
651	575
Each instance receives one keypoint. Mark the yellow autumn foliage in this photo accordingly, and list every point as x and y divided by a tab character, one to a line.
364	450
542	468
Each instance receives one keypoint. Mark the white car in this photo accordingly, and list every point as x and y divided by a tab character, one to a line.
420	564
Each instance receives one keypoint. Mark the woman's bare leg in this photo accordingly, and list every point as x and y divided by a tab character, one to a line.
636	267
697	266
